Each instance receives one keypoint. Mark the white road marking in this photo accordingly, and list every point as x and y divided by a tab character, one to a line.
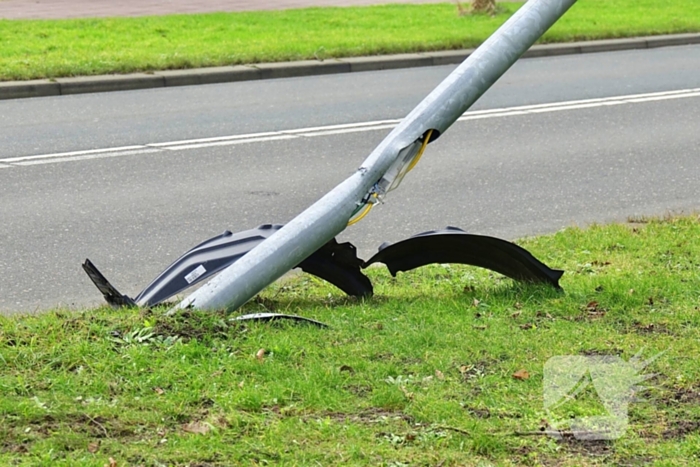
67	154
341	131
328	130
103	155
214	140
273	137
344	125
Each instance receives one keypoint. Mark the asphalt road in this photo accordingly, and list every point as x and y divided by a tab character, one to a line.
508	173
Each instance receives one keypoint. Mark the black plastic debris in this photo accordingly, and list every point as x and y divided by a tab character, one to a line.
276	316
338	264
453	245
112	295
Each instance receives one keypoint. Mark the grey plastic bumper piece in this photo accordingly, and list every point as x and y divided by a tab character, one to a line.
203	261
334	262
454	245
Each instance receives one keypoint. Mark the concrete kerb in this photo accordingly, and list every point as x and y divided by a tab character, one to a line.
226	74
212	75
34	88
85	84
301	68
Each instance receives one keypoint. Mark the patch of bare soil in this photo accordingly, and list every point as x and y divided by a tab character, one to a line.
590	311
601	352
689	395
367	417
189	324
477	369
676	396
635	461
650	328
479	412
590	448
681	428
360	390
676	399
19	436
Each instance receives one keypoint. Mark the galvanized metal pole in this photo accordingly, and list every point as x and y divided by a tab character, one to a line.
329	216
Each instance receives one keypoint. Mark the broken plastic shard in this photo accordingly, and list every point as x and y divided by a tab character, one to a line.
453	245
110	293
274	316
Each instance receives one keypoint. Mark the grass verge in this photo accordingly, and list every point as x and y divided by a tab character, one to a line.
59	48
431	371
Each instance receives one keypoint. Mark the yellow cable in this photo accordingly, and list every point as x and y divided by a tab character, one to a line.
362	215
370	204
420	152
367	209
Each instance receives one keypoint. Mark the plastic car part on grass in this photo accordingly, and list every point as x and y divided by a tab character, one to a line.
334	262
453	245
109	292
276	316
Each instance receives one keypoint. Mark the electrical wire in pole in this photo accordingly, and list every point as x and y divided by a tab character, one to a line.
386	165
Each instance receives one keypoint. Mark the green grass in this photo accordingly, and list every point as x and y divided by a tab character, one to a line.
419	375
51	49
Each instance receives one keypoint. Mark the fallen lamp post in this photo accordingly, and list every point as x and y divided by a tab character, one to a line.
249	261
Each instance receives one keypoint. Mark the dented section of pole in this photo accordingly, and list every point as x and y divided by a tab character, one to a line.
329	216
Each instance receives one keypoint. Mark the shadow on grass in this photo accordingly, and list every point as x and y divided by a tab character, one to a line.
506	291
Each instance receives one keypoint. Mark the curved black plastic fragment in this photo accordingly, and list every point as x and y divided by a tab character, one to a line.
110	293
274	316
453	245
338	264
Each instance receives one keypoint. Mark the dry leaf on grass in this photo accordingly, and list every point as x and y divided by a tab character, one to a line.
93	447
439	375
159	391
112	463
260	355
595	310
521	374
198	428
